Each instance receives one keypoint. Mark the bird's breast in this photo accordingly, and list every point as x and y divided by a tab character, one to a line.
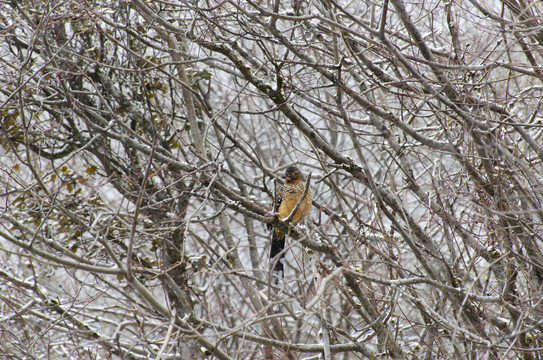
290	199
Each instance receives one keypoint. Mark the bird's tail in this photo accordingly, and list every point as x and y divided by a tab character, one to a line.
277	247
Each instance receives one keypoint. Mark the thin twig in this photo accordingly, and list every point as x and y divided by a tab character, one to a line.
138	206
168	335
383	20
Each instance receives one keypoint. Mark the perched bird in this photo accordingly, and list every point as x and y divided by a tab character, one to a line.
288	197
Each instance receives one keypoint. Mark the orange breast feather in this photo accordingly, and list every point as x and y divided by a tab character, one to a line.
289	203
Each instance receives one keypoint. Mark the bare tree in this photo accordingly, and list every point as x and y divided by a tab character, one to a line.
143	144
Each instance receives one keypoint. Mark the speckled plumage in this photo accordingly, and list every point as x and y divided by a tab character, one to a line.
289	195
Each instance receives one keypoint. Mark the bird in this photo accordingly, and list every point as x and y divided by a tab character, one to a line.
288	197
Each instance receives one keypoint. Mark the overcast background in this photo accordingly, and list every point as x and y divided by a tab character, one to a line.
143	142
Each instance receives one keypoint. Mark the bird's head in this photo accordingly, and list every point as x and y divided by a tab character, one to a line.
293	173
